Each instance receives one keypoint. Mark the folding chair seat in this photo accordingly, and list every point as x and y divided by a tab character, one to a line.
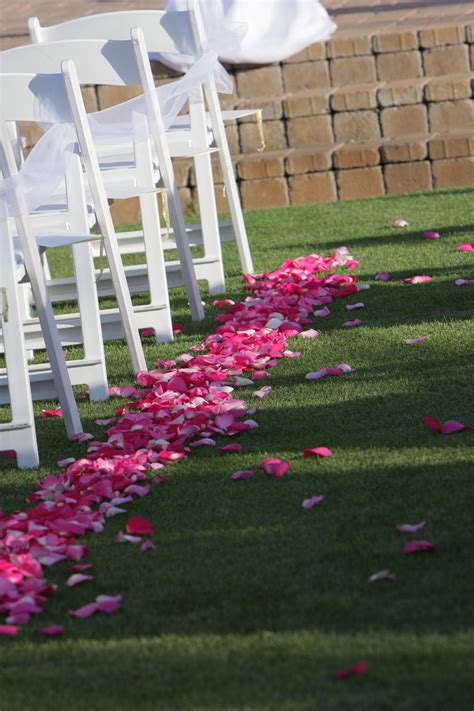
178	32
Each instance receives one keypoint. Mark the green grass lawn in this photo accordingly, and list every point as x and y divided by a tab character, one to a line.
251	603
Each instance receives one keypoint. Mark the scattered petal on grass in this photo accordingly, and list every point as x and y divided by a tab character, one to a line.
310	503
352	307
85	611
8	454
317	452
323	312
147	545
161	479
418	279
222	302
466	247
273	466
352	324
263	392
399	223
148	332
310	333
230	448
65	462
106	422
8	630
139	526
363	287
419	546
414	341
108	603
448	427
341	369
464	282
177	328
356	670
81	437
242	475
382	276
78	578
410	527
57	412
80	567
127	538
382	575
52	631
429	234
204	442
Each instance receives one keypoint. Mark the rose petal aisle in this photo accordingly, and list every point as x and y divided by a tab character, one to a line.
179	404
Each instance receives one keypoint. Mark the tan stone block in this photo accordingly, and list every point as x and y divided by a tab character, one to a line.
356	126
405	150
470	33
403	120
399	65
317	51
186	200
30	131
269	164
271	109
126	212
309	160
354	46
360	183
190	199
298	57
274	131
451	115
355	98
232	133
161	71
307	103
357	155
258	82
446	60
312	188
401	93
406	178
471	56
307	131
450	146
448	88
352	70
454	172
309	75
111	95
269	192
90	98
442	36
395	42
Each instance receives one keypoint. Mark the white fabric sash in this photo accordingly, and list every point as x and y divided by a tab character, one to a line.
46	165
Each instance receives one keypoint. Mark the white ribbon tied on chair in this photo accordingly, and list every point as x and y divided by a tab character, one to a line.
275	29
46	165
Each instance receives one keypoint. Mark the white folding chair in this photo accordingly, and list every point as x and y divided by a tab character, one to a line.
118	63
19	434
177	32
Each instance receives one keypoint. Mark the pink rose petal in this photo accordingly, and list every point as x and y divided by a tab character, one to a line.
429	234
147	545
139	526
177	328
382	276
204	442
323	312
410	527
242	475
419	546
52	413
230	448
8	454
448	427
464	282
274	467
127	538
352	324
414	341
466	247
382	575
85	611
317	452
310	333
8	630
80	567
78	578
356	670
352	307
52	631
310	503
108	603
65	462
399	223
419	279
148	332
263	392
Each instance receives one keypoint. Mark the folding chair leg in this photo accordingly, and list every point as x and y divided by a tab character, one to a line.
227	168
159	317
62	383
